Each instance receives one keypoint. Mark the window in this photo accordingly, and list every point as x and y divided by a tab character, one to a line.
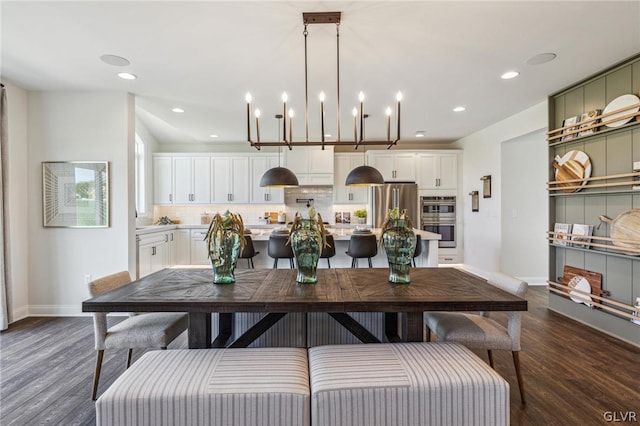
141	205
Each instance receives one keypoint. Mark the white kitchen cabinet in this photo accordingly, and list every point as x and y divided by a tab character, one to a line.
230	180
312	165
182	246
152	253
199	249
192	180
342	194
162	180
258	165
394	166
437	171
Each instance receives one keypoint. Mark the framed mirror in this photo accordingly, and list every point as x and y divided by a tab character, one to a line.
75	194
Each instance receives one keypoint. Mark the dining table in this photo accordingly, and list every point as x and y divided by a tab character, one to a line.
276	293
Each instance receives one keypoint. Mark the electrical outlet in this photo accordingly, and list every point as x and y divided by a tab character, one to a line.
87	278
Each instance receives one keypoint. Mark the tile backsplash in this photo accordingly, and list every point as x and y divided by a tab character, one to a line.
295	200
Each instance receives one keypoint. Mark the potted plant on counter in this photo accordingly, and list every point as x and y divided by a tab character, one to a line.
361	216
399	242
225	240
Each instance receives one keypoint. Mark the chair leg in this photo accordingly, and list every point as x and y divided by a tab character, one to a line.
370	265
428	334
328	263
353	262
490	354
291	264
129	353
414	262
275	263
96	376
516	363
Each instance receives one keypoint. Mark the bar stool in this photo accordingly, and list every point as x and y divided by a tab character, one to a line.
329	250
249	251
279	249
361	246
418	250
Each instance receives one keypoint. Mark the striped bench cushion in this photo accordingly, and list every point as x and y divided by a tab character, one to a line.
408	384
244	387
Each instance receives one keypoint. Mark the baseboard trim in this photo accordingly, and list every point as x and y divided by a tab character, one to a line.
19	313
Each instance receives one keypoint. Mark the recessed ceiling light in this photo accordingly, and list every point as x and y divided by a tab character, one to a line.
419	134
213	136
327	135
127	76
509	74
114	60
459	109
178	110
541	58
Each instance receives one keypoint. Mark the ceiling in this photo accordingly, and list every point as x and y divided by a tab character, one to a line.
204	56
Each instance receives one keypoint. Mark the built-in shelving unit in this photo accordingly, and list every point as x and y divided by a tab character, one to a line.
607	191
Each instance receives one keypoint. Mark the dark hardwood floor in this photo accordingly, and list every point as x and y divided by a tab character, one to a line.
573	374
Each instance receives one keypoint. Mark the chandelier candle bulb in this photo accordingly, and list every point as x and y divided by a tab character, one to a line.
361	98
398	98
322	116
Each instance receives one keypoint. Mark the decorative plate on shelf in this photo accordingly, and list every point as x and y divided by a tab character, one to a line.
571	166
580	283
621	102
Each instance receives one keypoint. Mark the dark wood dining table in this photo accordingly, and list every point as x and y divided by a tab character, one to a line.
276	293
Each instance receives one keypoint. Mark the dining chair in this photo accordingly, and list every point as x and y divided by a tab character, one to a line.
329	250
248	251
360	247
418	250
478	331
149	330
277	248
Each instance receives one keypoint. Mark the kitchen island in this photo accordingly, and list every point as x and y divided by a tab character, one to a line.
260	236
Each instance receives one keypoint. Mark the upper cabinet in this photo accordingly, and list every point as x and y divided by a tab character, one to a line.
342	194
230	179
192	180
394	166
437	171
258	165
312	165
162	180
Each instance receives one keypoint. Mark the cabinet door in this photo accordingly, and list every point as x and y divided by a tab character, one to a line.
258	165
427	173
221	171
182	246
297	160
171	248
404	166
162	180
384	164
343	164
182	179
239	180
199	250
201	191
320	161
145	253
159	258
274	195
448	177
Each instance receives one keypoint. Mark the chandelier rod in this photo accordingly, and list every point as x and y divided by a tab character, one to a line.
337	77
306	85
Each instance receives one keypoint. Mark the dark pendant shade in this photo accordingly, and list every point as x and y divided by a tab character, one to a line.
364	176
278	177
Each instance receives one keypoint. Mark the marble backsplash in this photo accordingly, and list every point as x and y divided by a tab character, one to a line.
295	200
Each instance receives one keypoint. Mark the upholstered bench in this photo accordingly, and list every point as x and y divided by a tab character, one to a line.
404	384
244	387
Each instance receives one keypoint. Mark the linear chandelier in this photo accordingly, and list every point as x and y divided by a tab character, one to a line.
359	115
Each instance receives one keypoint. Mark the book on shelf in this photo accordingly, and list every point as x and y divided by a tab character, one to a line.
587	120
561	228
581	232
566	133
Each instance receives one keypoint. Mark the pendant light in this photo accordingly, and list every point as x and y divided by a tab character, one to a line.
364	175
278	177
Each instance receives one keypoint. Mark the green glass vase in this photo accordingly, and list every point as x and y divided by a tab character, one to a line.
306	242
224	250
399	243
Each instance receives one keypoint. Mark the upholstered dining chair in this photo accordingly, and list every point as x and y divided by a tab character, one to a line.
248	251
150	330
478	331
362	247
329	250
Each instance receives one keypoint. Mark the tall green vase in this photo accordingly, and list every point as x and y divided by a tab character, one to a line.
223	252
399	242
306	242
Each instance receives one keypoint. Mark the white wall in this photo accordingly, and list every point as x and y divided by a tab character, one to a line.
482	156
83	126
16	207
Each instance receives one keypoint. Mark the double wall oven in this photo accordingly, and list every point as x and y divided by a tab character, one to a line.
438	215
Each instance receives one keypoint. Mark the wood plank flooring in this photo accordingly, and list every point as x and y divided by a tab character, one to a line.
573	374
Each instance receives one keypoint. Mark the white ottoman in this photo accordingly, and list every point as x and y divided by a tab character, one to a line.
405	384
243	387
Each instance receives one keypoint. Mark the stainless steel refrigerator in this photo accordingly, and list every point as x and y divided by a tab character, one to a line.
403	195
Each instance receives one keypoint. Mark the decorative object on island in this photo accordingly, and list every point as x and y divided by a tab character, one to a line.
486	186
361	216
307	239
475	201
75	194
362	175
399	242
225	240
